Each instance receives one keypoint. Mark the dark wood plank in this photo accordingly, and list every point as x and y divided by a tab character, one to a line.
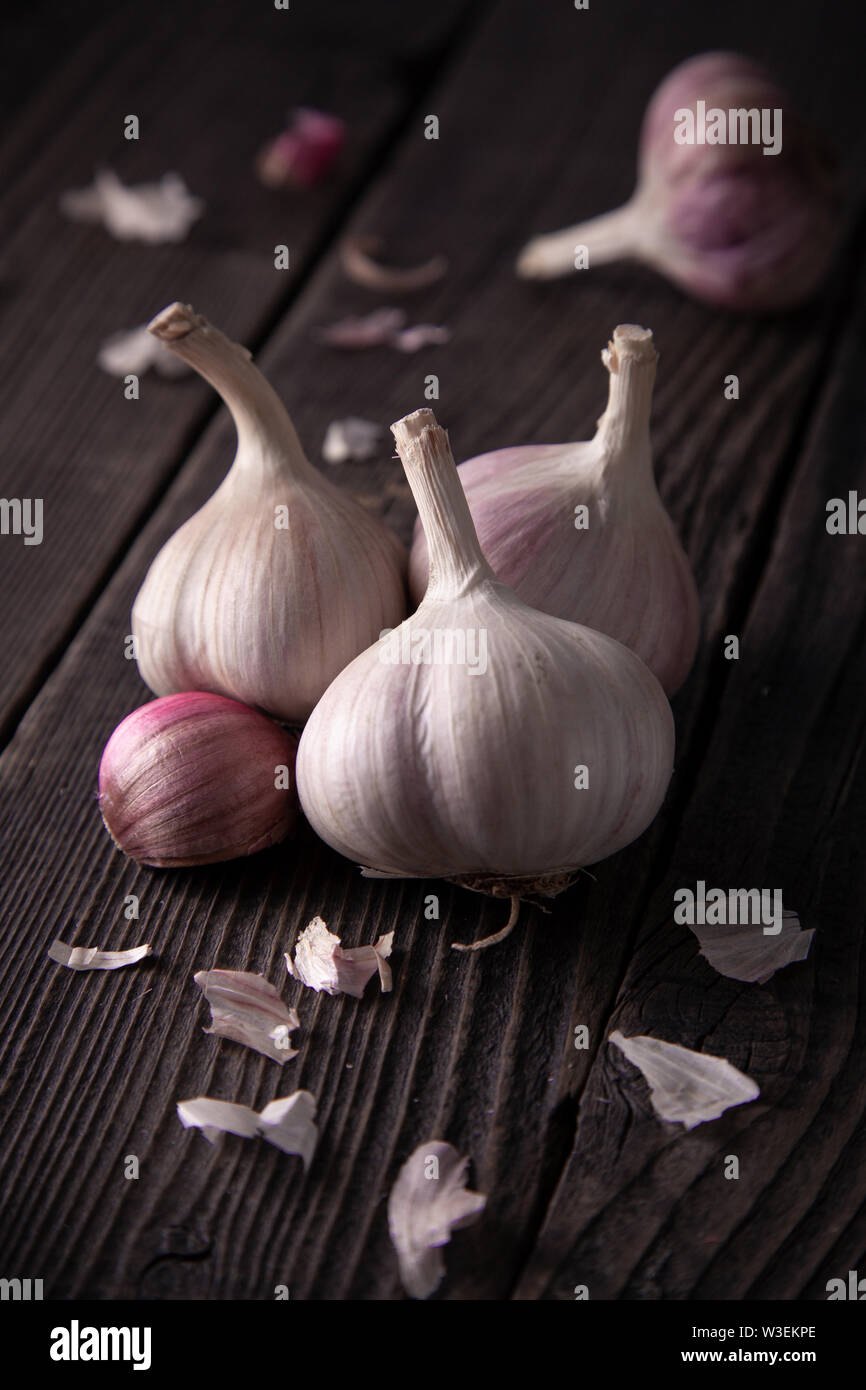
67	434
37	40
477	1051
793	702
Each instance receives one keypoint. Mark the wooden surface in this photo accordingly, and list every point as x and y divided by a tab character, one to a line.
539	113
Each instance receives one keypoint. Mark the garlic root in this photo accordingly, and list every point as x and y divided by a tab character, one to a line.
497	936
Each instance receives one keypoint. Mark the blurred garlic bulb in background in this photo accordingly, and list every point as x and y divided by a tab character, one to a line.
729	224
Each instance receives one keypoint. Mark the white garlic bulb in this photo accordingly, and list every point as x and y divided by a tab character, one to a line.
482	741
281	578
579	530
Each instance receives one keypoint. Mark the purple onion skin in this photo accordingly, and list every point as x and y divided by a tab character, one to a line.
742	230
190	779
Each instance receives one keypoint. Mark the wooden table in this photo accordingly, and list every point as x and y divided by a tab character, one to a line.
539	109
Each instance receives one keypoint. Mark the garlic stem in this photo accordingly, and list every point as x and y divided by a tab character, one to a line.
624	427
497	936
456	561
612	236
268	446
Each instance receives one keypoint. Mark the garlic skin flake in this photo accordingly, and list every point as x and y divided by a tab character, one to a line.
216	1117
321	963
91	958
287	1123
134	350
352	438
745	953
421	335
434	768
378	327
152	212
428	1201
247	1009
686	1087
281	578
624	572
357	259
300	156
384	327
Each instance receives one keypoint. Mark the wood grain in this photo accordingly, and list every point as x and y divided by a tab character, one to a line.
793	703
37	40
210	83
537	125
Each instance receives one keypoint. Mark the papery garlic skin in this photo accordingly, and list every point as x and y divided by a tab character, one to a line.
195	779
281	578
152	212
422	1213
429	770
730	225
625	575
300	156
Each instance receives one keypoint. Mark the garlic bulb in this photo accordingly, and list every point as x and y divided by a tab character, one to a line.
626	573
735	202
196	778
482	741
280	578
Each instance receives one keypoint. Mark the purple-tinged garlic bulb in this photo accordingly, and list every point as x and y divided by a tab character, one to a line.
749	224
482	741
194	778
579	530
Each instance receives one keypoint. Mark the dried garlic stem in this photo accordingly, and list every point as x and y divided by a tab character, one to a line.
268	445
612	236
623	430
456	561
496	937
